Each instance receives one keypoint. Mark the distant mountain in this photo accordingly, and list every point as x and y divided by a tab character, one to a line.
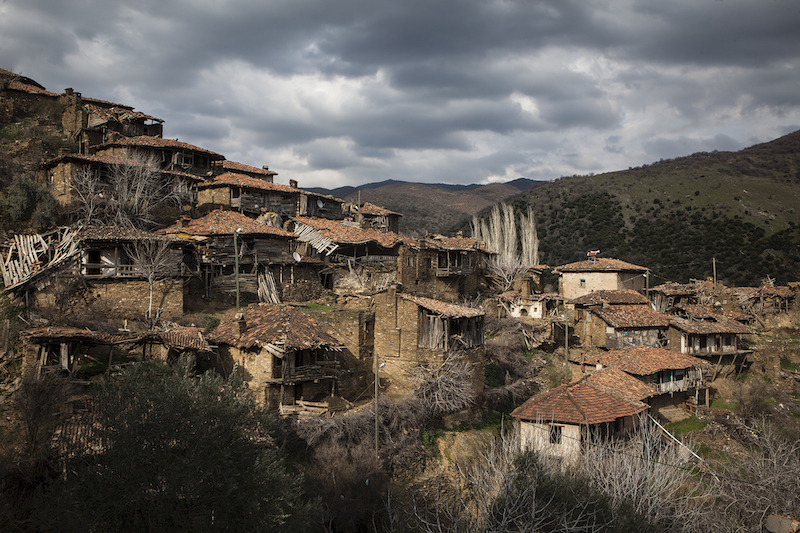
430	207
738	210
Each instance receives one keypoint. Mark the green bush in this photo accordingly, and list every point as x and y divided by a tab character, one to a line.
170	452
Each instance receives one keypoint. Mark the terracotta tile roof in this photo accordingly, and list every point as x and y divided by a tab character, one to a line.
119	112
581	402
620	383
676	289
249	182
16	85
158	142
600	264
8	75
639	360
611	297
443	308
632	316
107	159
451	243
70	334
241	167
274	324
185	337
116	234
718	324
372	209
221	222
706	311
341	233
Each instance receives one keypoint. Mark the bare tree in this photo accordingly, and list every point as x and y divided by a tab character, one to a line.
766	481
655	478
445	388
153	260
515	243
128	195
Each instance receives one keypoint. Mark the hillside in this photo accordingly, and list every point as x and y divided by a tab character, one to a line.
431	207
676	216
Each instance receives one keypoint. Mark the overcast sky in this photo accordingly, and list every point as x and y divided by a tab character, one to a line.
346	92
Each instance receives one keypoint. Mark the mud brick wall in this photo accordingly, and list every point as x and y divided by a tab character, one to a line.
129	299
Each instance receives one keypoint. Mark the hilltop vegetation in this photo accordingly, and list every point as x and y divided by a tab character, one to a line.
677	216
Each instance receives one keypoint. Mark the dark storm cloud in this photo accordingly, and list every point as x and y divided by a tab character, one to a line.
431	90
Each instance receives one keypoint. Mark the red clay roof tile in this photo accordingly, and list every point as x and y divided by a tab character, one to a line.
274	324
443	308
581	402
221	222
632	316
601	264
639	360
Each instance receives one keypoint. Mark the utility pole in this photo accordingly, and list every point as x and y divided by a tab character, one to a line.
236	261
377	420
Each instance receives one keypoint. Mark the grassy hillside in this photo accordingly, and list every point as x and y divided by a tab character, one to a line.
676	216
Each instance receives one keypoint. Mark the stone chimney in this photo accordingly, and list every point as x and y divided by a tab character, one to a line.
267	177
293	184
241	325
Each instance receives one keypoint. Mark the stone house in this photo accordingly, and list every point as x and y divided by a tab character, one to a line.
617	326
62	348
412	331
708	337
91	122
443	268
557	423
169	155
94	269
357	260
597	274
267	266
371	216
675	377
536	306
130	155
254	196
285	357
668	296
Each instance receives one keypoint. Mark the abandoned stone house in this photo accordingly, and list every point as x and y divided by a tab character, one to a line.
93	268
19	94
597	274
371	216
356	259
254	196
717	339
181	167
412	331
617	326
676	378
607	403
285	357
667	296
535	306
64	348
443	268
223	241
90	122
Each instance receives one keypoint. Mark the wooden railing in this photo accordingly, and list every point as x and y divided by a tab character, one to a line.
454	271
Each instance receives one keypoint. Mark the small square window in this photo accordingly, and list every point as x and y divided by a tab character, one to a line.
583	284
555	434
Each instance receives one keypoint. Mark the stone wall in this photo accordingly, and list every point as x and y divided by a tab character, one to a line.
397	345
122	299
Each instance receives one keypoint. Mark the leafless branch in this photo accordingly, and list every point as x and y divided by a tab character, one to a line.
446	388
